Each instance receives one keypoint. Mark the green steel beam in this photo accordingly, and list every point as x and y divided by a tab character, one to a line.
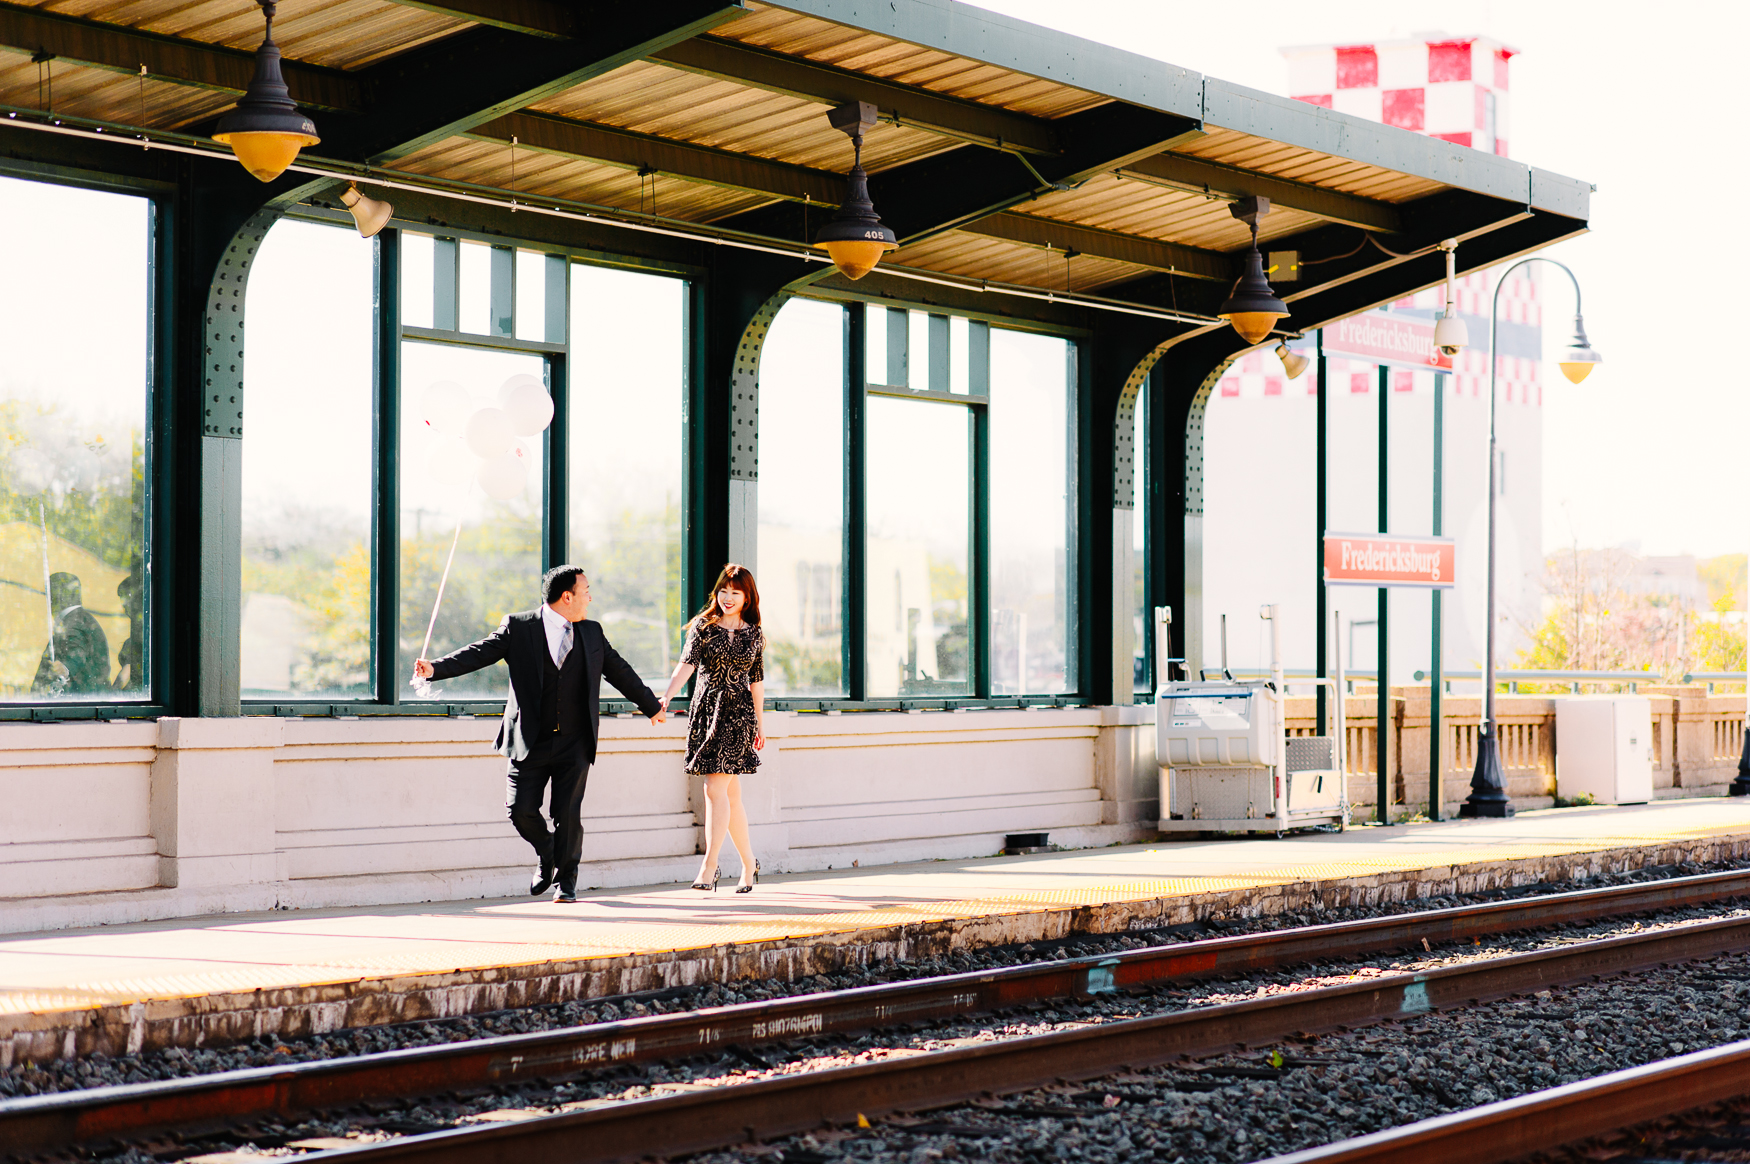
856	591
176	60
793	76
455	84
1196	176
570	138
547	18
1036	230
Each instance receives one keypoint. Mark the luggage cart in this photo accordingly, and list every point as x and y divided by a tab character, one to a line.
1226	761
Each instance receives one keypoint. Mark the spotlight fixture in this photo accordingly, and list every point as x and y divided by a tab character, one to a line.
370	214
1450	335
1578	359
1253	308
1292	361
855	238
265	130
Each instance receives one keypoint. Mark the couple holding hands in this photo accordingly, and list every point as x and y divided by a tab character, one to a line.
553	711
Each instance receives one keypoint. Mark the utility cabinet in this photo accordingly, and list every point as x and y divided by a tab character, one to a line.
1604	745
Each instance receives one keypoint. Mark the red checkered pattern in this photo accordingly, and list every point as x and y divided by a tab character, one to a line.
1455	90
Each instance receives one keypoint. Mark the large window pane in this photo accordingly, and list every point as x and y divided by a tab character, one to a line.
307	530
628	379
802	500
74	363
1030	512
497	566
918	477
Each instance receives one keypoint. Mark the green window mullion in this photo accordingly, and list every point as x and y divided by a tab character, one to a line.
978	550
555	508
386	467
854	591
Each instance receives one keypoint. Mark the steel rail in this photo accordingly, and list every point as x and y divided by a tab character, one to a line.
737	1113
39	1124
1554	1118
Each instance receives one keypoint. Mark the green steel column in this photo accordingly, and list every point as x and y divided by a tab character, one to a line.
1382	688
556	512
978	577
385	461
1321	517
1435	722
855	592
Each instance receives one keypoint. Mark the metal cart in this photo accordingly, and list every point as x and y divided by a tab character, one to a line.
1226	761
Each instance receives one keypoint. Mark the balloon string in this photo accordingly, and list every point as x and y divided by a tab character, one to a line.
442	582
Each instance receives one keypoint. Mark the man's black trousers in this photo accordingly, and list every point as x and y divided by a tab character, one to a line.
555	766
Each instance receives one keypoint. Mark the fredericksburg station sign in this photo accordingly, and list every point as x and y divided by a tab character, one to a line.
1387	560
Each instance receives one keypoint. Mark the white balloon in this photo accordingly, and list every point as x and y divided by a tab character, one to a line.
488	433
503	477
444	406
512	384
530	409
446	459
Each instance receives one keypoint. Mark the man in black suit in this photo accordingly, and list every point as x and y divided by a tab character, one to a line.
557	662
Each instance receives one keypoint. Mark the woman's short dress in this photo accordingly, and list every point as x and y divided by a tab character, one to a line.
721	724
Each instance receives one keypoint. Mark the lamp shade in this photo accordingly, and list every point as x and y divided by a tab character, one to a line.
265	130
856	238
1578	359
1253	308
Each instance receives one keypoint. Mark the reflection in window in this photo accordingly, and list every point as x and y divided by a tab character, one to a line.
628	379
919	486
802	468
307	534
73	387
497	566
1031	514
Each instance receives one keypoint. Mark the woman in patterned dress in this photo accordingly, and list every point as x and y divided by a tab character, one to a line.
726	724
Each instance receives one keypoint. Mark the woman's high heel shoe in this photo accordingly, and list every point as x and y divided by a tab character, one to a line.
756	880
716	876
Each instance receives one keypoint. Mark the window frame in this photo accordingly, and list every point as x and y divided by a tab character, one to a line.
387	697
853	594
158	535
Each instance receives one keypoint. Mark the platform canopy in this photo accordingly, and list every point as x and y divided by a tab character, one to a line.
1005	153
1035	183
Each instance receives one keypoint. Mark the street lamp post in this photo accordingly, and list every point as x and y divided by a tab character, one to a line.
1488	784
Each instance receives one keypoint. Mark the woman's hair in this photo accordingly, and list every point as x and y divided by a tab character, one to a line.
733	577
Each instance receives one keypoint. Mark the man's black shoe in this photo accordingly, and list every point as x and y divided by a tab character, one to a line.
542	879
565	893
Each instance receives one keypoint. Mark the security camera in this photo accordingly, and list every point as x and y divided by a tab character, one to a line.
1450	335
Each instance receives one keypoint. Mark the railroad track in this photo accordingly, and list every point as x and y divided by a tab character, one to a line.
59	1122
1555	1118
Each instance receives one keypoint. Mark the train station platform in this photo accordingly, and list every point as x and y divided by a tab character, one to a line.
219	979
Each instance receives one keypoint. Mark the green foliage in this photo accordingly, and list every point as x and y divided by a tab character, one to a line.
1726	579
804	670
1578	800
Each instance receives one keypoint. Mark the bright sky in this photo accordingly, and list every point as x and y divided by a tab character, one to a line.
1635	98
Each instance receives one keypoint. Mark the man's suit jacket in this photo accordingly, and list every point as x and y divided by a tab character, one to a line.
522	641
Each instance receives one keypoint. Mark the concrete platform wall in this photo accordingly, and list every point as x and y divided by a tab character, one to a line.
123	822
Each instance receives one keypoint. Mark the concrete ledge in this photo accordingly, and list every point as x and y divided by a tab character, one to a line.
224	1017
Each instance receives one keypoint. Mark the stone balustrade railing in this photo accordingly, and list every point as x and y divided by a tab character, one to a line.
1697	740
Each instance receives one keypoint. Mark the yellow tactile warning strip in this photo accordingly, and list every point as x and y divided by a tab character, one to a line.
234	954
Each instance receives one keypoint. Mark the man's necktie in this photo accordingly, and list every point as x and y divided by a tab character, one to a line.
564	645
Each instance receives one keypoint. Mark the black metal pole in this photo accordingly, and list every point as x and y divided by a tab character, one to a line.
1321	476
1741	786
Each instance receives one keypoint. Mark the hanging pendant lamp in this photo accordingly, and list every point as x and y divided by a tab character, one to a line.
1253	308
856	238
265	130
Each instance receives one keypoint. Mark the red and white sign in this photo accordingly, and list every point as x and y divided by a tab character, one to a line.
1385	560
1386	339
